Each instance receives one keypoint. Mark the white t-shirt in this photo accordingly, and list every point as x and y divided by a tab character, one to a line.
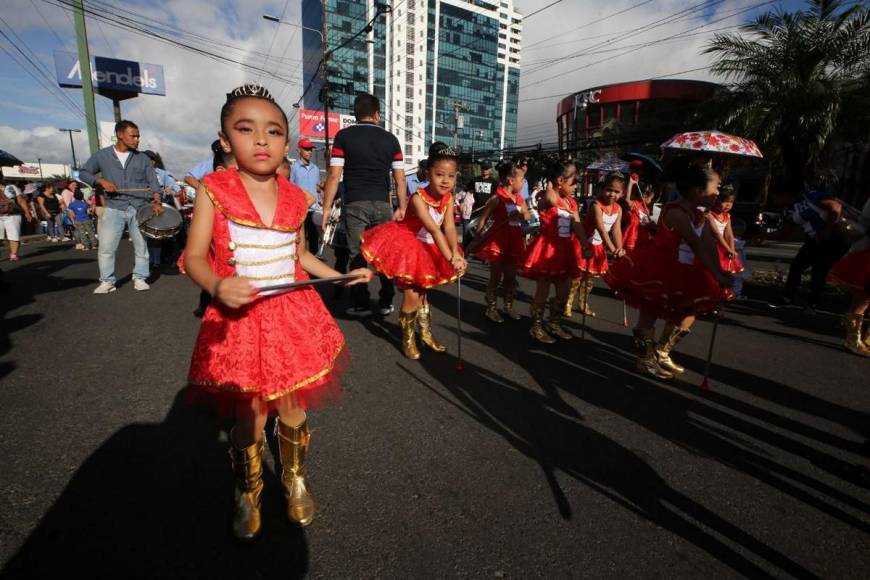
122	157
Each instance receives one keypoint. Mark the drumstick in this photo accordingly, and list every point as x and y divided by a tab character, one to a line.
311	282
132	189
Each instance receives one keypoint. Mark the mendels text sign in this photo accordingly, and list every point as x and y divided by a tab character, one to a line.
111	74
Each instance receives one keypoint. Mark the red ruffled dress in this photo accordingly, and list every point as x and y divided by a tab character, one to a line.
597	264
636	226
505	241
406	251
285	342
853	269
555	252
666	277
733	265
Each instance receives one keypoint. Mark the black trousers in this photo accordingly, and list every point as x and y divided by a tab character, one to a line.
820	256
312	233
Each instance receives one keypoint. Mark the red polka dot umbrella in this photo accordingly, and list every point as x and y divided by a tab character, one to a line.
713	142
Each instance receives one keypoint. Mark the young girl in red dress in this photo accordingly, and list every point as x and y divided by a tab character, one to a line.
553	257
420	252
259	350
603	221
637	224
676	277
852	271
720	222
504	244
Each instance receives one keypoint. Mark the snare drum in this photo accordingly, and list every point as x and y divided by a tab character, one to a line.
159	227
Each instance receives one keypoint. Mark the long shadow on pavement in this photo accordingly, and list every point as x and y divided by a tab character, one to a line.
155	501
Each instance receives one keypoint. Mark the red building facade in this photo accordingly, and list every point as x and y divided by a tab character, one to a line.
638	112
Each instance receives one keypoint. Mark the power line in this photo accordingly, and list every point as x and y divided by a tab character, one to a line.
538	11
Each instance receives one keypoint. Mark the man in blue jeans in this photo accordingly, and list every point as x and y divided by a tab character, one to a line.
129	180
365	154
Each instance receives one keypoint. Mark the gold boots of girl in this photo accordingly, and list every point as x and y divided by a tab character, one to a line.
409	322
248	470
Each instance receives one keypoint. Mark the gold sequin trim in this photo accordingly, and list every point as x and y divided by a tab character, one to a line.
253	224
237	245
275	277
235	262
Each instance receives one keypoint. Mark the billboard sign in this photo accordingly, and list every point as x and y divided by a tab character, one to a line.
111	74
311	123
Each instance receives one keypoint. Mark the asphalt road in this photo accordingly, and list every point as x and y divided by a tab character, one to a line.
553	462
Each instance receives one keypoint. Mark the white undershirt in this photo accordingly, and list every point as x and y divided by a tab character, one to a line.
122	157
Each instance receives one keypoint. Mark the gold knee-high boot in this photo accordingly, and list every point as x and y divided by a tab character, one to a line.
424	320
557	310
647	362
585	291
537	329
671	335
408	320
509	295
292	447
248	471
854	325
572	295
491	312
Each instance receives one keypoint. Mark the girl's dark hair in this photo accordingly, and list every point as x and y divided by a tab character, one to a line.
693	177
78	195
439	151
726	192
248	91
557	168
615	176
506	170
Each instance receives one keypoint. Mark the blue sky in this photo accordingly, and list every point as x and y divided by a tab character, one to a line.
182	124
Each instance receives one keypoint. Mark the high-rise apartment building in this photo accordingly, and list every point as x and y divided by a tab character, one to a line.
428	61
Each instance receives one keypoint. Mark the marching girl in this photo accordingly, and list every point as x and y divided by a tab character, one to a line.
720	222
636	222
852	271
422	250
504	244
677	276
259	351
553	257
603	220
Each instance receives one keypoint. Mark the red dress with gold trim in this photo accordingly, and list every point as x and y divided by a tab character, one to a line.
597	264
406	251
666	277
285	342
636	223
733	265
852	270
555	252
505	241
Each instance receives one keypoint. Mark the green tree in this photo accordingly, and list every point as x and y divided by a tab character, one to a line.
794	79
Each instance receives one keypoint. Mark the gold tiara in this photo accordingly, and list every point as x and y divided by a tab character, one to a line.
446	151
250	90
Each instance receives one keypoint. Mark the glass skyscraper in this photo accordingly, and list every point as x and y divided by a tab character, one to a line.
429	62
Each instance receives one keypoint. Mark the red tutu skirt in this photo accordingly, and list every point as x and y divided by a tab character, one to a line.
597	264
732	265
394	250
852	270
286	345
505	244
655	281
548	257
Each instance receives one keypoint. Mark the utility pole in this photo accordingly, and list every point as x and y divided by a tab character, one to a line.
71	145
458	121
87	79
39	161
324	91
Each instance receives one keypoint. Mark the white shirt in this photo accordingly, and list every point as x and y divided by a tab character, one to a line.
122	157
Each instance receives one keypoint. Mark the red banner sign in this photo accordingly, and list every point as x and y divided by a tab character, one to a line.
311	123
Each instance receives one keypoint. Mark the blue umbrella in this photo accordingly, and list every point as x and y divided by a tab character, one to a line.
8	159
647	160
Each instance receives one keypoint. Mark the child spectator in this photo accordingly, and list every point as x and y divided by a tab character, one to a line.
739	226
80	213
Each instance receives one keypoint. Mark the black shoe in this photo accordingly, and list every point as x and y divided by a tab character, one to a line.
386	310
781	302
359	311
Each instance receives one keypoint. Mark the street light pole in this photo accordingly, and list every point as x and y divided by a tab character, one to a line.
71	145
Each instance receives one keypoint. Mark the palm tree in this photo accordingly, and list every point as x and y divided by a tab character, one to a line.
792	79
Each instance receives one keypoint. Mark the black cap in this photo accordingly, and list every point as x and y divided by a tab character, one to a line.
484	165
